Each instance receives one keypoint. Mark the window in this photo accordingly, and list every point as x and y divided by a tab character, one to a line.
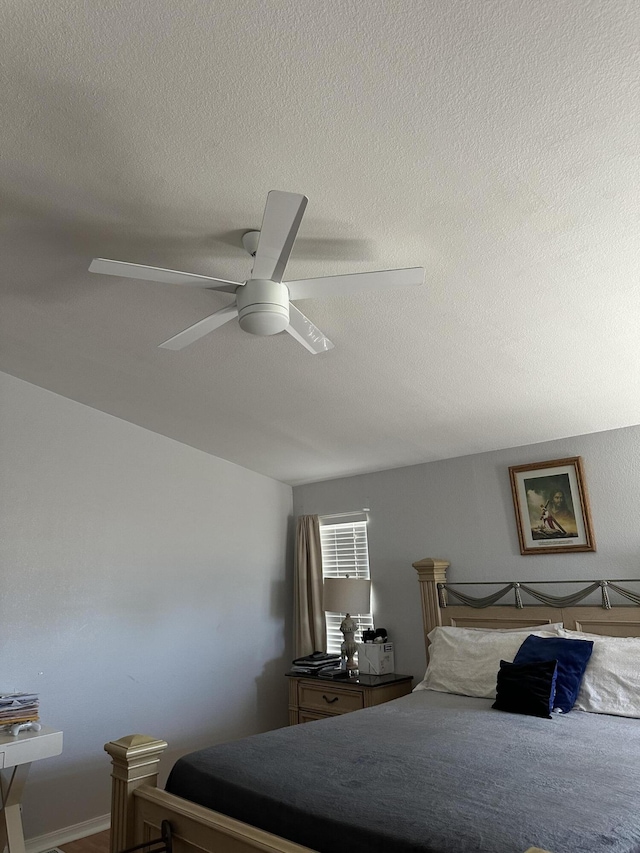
345	551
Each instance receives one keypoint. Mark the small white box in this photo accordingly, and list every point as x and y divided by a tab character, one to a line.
375	658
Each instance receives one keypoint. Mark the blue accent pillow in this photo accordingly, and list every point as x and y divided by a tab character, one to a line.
527	688
572	656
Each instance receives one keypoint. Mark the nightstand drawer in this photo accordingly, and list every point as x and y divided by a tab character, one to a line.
310	716
315	698
329	699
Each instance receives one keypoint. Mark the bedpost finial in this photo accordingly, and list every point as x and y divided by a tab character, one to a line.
432	569
135	757
134	746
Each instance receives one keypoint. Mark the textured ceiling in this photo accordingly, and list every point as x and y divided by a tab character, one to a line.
497	144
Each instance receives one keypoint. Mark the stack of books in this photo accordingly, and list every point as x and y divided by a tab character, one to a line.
314	663
18	708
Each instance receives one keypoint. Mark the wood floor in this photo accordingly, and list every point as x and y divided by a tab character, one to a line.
91	844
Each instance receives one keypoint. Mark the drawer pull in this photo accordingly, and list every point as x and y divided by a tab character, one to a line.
330	701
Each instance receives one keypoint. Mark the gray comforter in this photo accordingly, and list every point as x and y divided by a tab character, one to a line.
433	773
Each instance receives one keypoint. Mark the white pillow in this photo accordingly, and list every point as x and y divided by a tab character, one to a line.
554	627
611	682
466	661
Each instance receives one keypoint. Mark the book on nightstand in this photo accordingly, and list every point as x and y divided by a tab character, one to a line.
315	662
333	672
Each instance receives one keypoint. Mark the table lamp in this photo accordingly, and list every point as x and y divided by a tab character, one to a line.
348	595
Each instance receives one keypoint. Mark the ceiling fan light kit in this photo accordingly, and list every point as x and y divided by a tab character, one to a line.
263	307
262	304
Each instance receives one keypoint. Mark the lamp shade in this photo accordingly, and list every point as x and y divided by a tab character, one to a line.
347	595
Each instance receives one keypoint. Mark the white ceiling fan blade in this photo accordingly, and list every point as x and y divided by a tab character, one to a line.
345	285
201	328
126	270
302	329
280	223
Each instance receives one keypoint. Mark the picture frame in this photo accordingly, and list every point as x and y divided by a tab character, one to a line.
552	509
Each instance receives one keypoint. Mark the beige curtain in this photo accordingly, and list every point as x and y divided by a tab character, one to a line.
310	627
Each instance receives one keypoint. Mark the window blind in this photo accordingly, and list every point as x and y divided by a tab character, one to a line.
345	551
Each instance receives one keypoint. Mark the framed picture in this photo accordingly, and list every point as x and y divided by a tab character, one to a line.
552	507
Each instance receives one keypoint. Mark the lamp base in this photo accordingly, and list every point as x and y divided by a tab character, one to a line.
349	647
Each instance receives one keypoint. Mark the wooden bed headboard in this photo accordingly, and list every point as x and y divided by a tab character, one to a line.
618	621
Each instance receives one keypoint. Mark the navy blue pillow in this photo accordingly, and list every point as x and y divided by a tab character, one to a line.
572	656
527	688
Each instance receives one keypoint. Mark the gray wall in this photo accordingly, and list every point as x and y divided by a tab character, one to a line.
144	589
461	510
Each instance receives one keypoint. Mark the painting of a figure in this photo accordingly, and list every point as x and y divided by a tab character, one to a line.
552	507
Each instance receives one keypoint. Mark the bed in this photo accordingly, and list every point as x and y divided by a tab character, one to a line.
569	785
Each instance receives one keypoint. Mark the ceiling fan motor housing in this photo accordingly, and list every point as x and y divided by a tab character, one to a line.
263	306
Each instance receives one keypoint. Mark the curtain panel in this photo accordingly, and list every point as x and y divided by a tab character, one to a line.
309	620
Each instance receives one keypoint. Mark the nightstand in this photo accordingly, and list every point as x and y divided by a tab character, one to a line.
316	698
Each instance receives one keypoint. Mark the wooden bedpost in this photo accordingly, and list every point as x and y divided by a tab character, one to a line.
431	572
135	762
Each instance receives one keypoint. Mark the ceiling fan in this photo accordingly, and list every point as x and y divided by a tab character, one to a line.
262	303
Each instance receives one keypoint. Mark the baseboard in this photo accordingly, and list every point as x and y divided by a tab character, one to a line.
70	833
